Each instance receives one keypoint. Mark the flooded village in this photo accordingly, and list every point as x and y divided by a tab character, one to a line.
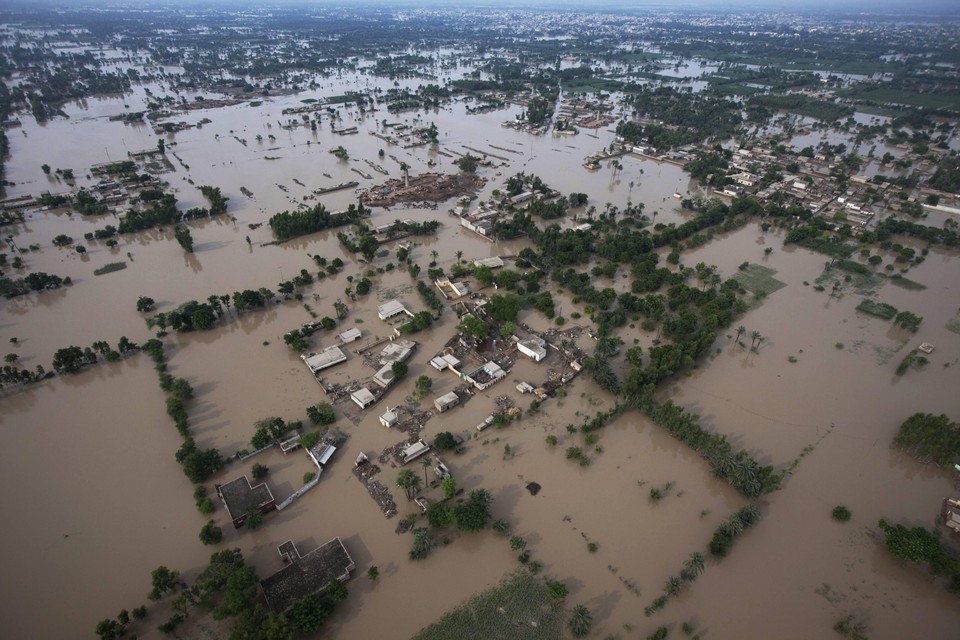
569	324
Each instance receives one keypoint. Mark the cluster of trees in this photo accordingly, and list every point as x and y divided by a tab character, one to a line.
37	281
202	316
919	545
430	296
689	117
947	175
930	438
183	236
274	429
161	212
470	515
287	224
321	413
693	566
71	359
731	528
468	163
198	464
12	375
744	473
85	204
934	235
539	111
228	588
420	321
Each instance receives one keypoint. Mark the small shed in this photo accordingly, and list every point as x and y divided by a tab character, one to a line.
389	418
349	335
446	401
363	397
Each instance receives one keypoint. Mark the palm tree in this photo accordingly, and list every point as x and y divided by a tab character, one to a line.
459	255
406	173
693	566
426	465
422	543
740	331
409	482
580	621
754	337
673	586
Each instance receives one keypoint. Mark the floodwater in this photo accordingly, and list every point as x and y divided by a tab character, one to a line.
95	496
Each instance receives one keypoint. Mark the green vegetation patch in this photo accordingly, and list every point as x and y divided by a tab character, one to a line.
879	309
758	279
907	283
861	278
110	268
931	438
887	95
828	247
519	608
954	324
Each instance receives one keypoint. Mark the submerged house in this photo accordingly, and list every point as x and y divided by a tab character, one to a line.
487	375
241	498
535	348
307	574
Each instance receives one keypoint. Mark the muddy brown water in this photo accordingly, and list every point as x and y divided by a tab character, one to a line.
97	499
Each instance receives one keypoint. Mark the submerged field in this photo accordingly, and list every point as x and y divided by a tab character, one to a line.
805	380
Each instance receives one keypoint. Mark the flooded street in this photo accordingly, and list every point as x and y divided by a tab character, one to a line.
95	499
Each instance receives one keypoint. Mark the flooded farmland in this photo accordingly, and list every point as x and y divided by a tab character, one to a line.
96	499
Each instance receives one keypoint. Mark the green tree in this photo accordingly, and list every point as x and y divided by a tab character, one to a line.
368	247
321	413
444	440
693	566
473	326
580	621
423	544
211	533
409	482
929	437
163	580
309	613
449	486
423	386
399	369
109	629
182	234
472	515
336	590
556	589
468	163
439	515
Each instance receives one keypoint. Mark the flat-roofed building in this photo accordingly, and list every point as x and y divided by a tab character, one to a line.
306	575
241	499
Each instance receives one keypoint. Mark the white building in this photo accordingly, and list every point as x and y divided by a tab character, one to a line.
533	348
349	335
363	398
326	358
445	361
391	308
446	401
